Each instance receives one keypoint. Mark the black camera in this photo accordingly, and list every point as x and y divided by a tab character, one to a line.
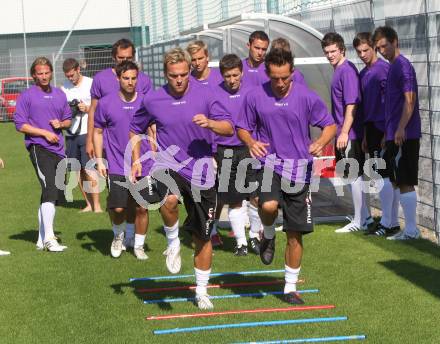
73	104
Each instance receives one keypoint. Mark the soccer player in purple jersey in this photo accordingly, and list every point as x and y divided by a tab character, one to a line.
230	156
281	113
253	66
373	82
282	43
346	96
200	71
187	116
41	114
106	82
112	127
402	127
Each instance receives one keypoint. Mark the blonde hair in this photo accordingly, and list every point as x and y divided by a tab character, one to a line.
196	46
176	55
280	43
40	61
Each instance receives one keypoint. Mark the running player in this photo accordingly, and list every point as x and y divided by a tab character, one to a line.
281	112
186	117
253	66
201	72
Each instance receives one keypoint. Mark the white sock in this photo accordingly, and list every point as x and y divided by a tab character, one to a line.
118	229
47	217
129	230
139	240
290	277
386	201
172	234
40	227
214	228
408	201
254	220
202	279
365	211
395	209
356	193
269	231
237	219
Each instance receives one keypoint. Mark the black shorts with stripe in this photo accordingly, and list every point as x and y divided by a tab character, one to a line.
403	162
295	201
45	164
345	159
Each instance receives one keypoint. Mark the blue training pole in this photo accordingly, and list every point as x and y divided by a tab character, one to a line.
228	296
238	273
248	324
310	340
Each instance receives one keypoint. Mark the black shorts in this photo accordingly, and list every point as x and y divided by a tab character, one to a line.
238	174
403	162
352	151
374	137
76	149
201	212
143	193
45	164
296	205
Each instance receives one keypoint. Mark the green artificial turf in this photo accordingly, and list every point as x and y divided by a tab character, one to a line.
388	290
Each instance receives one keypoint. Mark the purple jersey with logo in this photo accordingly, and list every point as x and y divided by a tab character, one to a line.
232	101
254	76
106	82
298	77
183	145
114	116
284	125
214	78
345	90
373	83
401	78
36	108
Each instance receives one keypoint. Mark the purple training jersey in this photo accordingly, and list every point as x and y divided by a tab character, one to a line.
183	145
254	76
106	82
232	101
284	125
373	83
114	116
401	78
345	90
214	78
36	108
298	77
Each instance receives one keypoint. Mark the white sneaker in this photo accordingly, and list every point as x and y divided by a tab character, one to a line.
39	245
173	260
403	235
348	228
203	302
140	253
117	245
52	245
4	253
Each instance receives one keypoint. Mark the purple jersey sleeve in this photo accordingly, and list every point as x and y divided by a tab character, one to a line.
217	112
409	78
351	89
67	112
21	111
100	120
247	118
95	90
141	120
319	114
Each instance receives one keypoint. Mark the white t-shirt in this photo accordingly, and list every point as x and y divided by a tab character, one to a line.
82	93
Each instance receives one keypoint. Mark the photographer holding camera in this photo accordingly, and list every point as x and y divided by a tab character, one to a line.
77	89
